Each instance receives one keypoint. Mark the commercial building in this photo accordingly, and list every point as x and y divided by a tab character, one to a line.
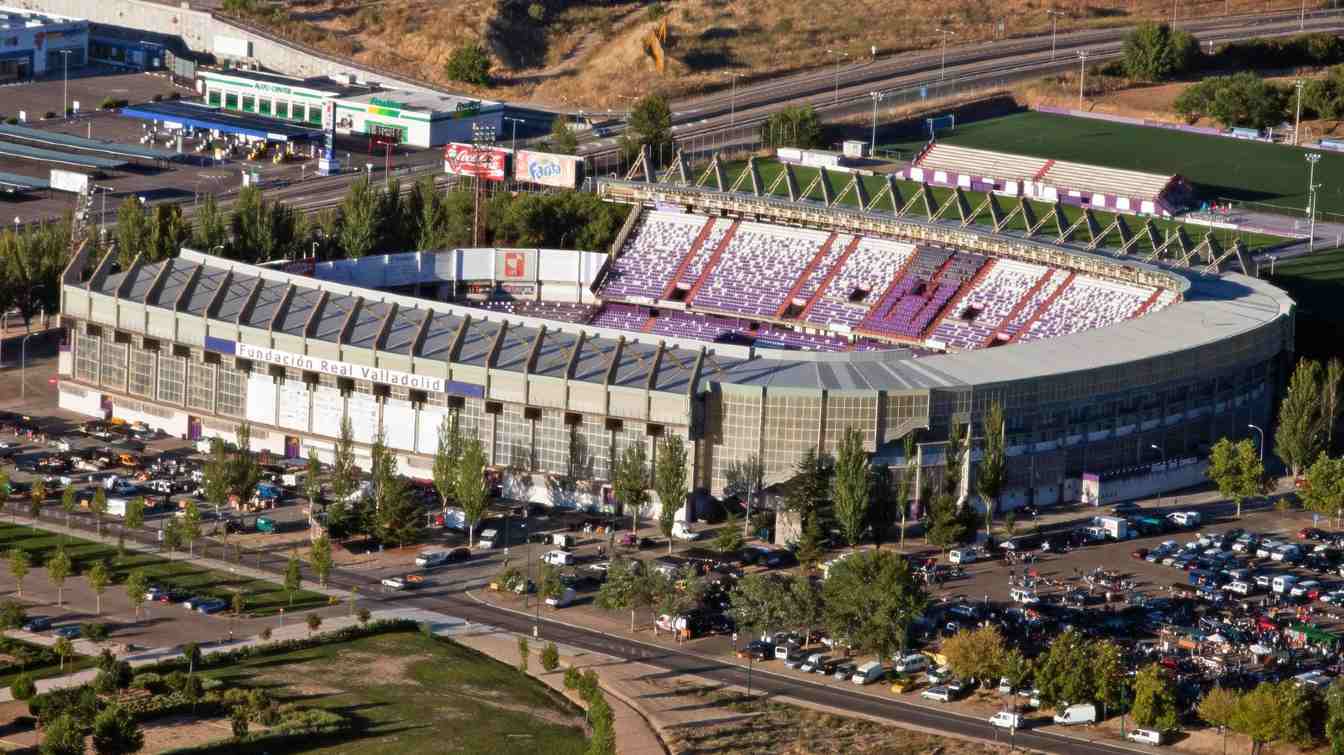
413	118
33	44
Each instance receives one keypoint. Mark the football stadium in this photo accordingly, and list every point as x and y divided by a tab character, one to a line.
748	325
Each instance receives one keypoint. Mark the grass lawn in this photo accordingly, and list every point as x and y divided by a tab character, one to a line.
1316	282
10	647
410	694
1221	168
262	597
770	169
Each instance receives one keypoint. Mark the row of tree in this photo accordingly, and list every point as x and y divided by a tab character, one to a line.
31	262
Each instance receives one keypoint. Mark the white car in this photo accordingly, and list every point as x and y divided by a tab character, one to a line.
939	694
558	558
681	532
962	555
1024	596
1006	720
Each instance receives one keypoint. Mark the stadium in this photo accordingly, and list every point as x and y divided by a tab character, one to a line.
747	325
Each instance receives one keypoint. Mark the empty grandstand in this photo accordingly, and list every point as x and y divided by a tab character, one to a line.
1049	180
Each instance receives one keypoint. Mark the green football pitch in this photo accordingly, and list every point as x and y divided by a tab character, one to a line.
1220	168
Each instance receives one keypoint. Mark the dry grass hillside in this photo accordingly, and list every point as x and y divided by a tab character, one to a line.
596	55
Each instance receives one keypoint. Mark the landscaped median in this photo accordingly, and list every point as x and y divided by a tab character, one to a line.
259	597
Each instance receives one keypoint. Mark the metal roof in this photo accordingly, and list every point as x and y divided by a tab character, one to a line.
214	119
1215	308
25	152
57	138
16	181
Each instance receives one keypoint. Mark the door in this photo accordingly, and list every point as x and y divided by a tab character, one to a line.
291	447
106	406
193	428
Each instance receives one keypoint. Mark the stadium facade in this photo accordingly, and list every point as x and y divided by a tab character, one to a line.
197	344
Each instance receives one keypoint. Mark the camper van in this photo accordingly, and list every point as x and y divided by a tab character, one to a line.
1083	713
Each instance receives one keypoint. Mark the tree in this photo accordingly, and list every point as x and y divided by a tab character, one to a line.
1323	492
628	588
550	585
63	648
550	657
669	482
744	480
729	537
805	606
172	536
319	555
649	125
1154	700
59	567
793	127
849	486
312	479
64	735
132	231
469	64
906	483
761	603
808	485
314	623
1300	437
630	482
1237	471
1334	716
979	653
1261	715
470	489
1331	387
1108	674
1219	706
871	599
115	732
99	579
811	547
1241	99
399	518
191	526
563	140
98	506
446	458
211	229
217	475
1154	52
135	514
881	502
992	472
37	496
12	615
23	688
1064	673
238	723
137	588
293	576
19	564
68	504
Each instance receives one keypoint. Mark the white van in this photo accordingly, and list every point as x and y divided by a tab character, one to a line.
563	599
1145	736
1082	713
431	557
558	558
682	532
1024	596
1283	583
1005	720
911	664
1302	588
1239	587
962	555
868	673
488	539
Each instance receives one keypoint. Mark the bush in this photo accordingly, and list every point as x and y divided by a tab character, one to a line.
1154	52
573	677
1243	100
12	615
23	687
95	631
147	681
589	687
550	657
469	64
175	681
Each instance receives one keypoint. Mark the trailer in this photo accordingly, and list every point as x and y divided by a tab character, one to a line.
1117	528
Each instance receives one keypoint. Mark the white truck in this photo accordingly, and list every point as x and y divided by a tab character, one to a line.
455	518
1116	527
117	506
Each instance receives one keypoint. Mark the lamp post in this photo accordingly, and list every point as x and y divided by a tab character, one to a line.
1054	18
1082	75
23	366
513	141
65	83
1297	119
1160	450
1312	158
1261	431
732	100
838	55
942	66
877	97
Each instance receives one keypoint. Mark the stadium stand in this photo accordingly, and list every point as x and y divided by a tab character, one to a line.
1087	304
752	276
620	317
872	265
660	245
549	310
989	304
980	162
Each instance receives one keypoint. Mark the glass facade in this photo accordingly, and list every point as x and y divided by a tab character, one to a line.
231	392
200	386
142	371
114	365
86	358
172	379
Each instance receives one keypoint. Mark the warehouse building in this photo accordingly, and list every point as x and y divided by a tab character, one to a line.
33	44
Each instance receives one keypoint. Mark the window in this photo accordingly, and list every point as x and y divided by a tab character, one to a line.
249	103
86	358
264	107
142	372
231	392
200	386
114	365
172	379
315	115
281	109
230	101
213	98
298	112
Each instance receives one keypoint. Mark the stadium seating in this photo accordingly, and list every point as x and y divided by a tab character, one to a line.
620	316
754	274
652	254
981	162
1086	304
546	310
985	306
1111	181
911	305
867	273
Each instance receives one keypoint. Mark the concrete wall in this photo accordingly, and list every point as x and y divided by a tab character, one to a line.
197	30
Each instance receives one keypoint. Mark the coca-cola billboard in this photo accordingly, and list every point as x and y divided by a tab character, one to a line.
489	163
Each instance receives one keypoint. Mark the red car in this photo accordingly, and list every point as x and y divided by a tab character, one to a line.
1310	533
1139	554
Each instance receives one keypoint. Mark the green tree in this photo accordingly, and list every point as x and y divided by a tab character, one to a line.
12	615
649	125
137	588
293	576
469	64
1064	673
59	567
806	603
98	505
1155	52
1154	700
1323	492
361	210
628	588
1331	387
135	514
469	487
563	140
132	231
19	565
979	653
669	482
238	722
745	480
191	526
63	736
22	688
905	483
808	487
523	652
172	536
446	457
729	537
793	126
1241	99
319	555
63	648
115	732
871	599
68	504
211	229
1108	674
1334	716
37	496
314	623
630	482
992	471
811	547
1237	471
399	518
550	657
168	232
762	603
849	486
99	579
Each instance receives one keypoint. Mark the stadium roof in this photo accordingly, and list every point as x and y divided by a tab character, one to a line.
1214	309
14	181
1061	174
78	142
214	119
25	152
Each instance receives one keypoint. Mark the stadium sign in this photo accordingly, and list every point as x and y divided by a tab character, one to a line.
469	160
546	169
414	382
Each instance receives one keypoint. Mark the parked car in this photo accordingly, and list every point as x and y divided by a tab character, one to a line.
1006	720
938	694
757	649
1145	736
69	631
37	624
558	558
844	671
812	662
212	606
1082	713
868	673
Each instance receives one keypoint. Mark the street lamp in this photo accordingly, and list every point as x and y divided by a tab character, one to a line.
877	97
1159	449
23	366
732	101
943	65
513	144
1260	430
65	83
1054	17
1082	75
1312	158
838	55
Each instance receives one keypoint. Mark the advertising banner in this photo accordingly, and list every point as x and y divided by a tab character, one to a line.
469	160
69	180
546	169
516	264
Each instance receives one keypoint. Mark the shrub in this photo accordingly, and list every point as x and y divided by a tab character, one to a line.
23	687
175	681
573	677
589	686
550	657
469	64
148	681
12	615
522	654
95	631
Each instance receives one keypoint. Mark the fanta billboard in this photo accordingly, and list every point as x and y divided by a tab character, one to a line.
546	169
489	163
